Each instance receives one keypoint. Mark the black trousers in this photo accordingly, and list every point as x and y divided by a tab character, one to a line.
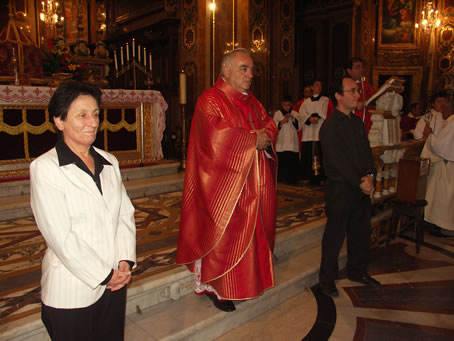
288	167
349	213
103	320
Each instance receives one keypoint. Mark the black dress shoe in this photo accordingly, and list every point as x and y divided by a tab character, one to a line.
365	279
330	291
226	306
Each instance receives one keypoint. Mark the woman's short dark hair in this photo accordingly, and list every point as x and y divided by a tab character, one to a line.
66	93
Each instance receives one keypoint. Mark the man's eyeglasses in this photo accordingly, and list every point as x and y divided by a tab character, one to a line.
353	91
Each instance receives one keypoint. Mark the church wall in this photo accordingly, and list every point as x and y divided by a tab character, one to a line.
292	42
323	41
242	24
424	60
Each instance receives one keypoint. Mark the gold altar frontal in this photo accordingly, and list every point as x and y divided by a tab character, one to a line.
131	126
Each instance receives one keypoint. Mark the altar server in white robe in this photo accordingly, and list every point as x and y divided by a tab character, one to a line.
431	121
311	115
440	183
84	214
287	144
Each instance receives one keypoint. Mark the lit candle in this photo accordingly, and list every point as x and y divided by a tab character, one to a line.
150	62
121	55
145	56
182	87
127	52
133	48
115	59
138	52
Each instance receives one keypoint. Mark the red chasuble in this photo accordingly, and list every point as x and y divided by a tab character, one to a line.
228	213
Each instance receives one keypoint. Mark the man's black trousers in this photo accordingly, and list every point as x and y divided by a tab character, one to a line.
349	213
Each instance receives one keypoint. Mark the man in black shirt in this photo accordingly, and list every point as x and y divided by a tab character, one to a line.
350	175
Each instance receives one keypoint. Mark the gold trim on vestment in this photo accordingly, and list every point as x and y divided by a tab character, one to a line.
228	222
253	231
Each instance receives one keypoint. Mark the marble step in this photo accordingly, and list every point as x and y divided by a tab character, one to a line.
22	187
18	206
175	287
163	306
195	318
298	254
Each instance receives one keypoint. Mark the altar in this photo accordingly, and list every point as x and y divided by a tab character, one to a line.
131	126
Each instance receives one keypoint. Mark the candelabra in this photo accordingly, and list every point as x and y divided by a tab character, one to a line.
134	65
429	22
429	17
48	13
51	15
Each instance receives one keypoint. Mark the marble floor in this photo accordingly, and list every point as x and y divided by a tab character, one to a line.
415	301
157	219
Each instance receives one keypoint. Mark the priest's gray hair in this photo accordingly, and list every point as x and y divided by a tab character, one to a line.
228	57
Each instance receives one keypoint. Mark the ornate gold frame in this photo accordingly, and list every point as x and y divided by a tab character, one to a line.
412	45
414	71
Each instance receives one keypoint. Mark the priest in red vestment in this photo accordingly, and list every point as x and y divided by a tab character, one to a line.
355	69
228	213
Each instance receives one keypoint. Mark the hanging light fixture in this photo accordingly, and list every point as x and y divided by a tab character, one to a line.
429	17
49	13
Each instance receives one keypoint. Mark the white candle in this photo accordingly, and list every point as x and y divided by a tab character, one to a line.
138	52
151	61
14	52
115	58
121	55
127	52
133	48
182	87
145	56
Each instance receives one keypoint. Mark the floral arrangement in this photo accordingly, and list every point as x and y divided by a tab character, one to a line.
59	61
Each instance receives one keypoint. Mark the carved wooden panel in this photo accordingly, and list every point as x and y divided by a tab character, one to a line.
399	58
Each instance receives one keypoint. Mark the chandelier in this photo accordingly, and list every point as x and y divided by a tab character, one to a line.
429	17
49	13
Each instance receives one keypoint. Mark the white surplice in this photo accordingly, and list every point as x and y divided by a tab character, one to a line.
440	183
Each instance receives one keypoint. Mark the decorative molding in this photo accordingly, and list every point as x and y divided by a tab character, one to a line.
259	22
286	45
366	35
170	6
189	36
258	3
399	58
446	83
286	28
189	20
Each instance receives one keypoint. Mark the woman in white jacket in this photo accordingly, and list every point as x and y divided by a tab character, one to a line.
84	214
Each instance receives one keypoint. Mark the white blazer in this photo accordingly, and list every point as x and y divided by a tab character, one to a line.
87	233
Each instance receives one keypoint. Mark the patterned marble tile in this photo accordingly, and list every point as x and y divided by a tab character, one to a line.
157	219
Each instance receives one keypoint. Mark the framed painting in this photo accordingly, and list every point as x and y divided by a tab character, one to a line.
396	24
